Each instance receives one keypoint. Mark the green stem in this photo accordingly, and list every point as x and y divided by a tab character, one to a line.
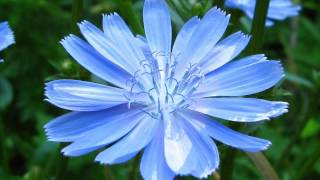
263	165
127	11
257	31
134	169
62	164
227	163
77	13
77	9
258	26
107	173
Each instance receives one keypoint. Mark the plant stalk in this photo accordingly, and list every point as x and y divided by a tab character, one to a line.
257	32
264	166
258	26
62	164
228	160
134	168
77	9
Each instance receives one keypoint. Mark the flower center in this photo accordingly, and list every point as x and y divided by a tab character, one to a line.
166	92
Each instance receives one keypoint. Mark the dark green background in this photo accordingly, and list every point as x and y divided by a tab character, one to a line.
38	57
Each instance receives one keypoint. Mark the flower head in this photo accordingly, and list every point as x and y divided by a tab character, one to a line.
6	36
162	96
278	9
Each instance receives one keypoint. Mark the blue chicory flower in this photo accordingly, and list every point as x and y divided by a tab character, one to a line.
162	97
278	9
6	36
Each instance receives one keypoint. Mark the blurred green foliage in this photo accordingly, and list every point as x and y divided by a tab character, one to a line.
37	57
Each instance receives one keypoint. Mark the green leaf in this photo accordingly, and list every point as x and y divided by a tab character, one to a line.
258	26
34	174
299	80
311	129
6	94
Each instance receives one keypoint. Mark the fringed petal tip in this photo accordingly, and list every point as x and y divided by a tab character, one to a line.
53	138
261	148
208	173
65	39
279	109
53	102
280	67
204	175
101	162
264	145
220	11
98	160
65	151
83	23
244	35
223	12
105	15
69	38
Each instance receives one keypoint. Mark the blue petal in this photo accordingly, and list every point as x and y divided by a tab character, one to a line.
157	25
249	60
131	144
242	77
83	96
233	3
224	52
116	127
153	164
117	30
186	151
207	33
120	50
184	35
226	135
97	64
239	109
269	23
143	45
6	36
278	9
75	125
118	44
